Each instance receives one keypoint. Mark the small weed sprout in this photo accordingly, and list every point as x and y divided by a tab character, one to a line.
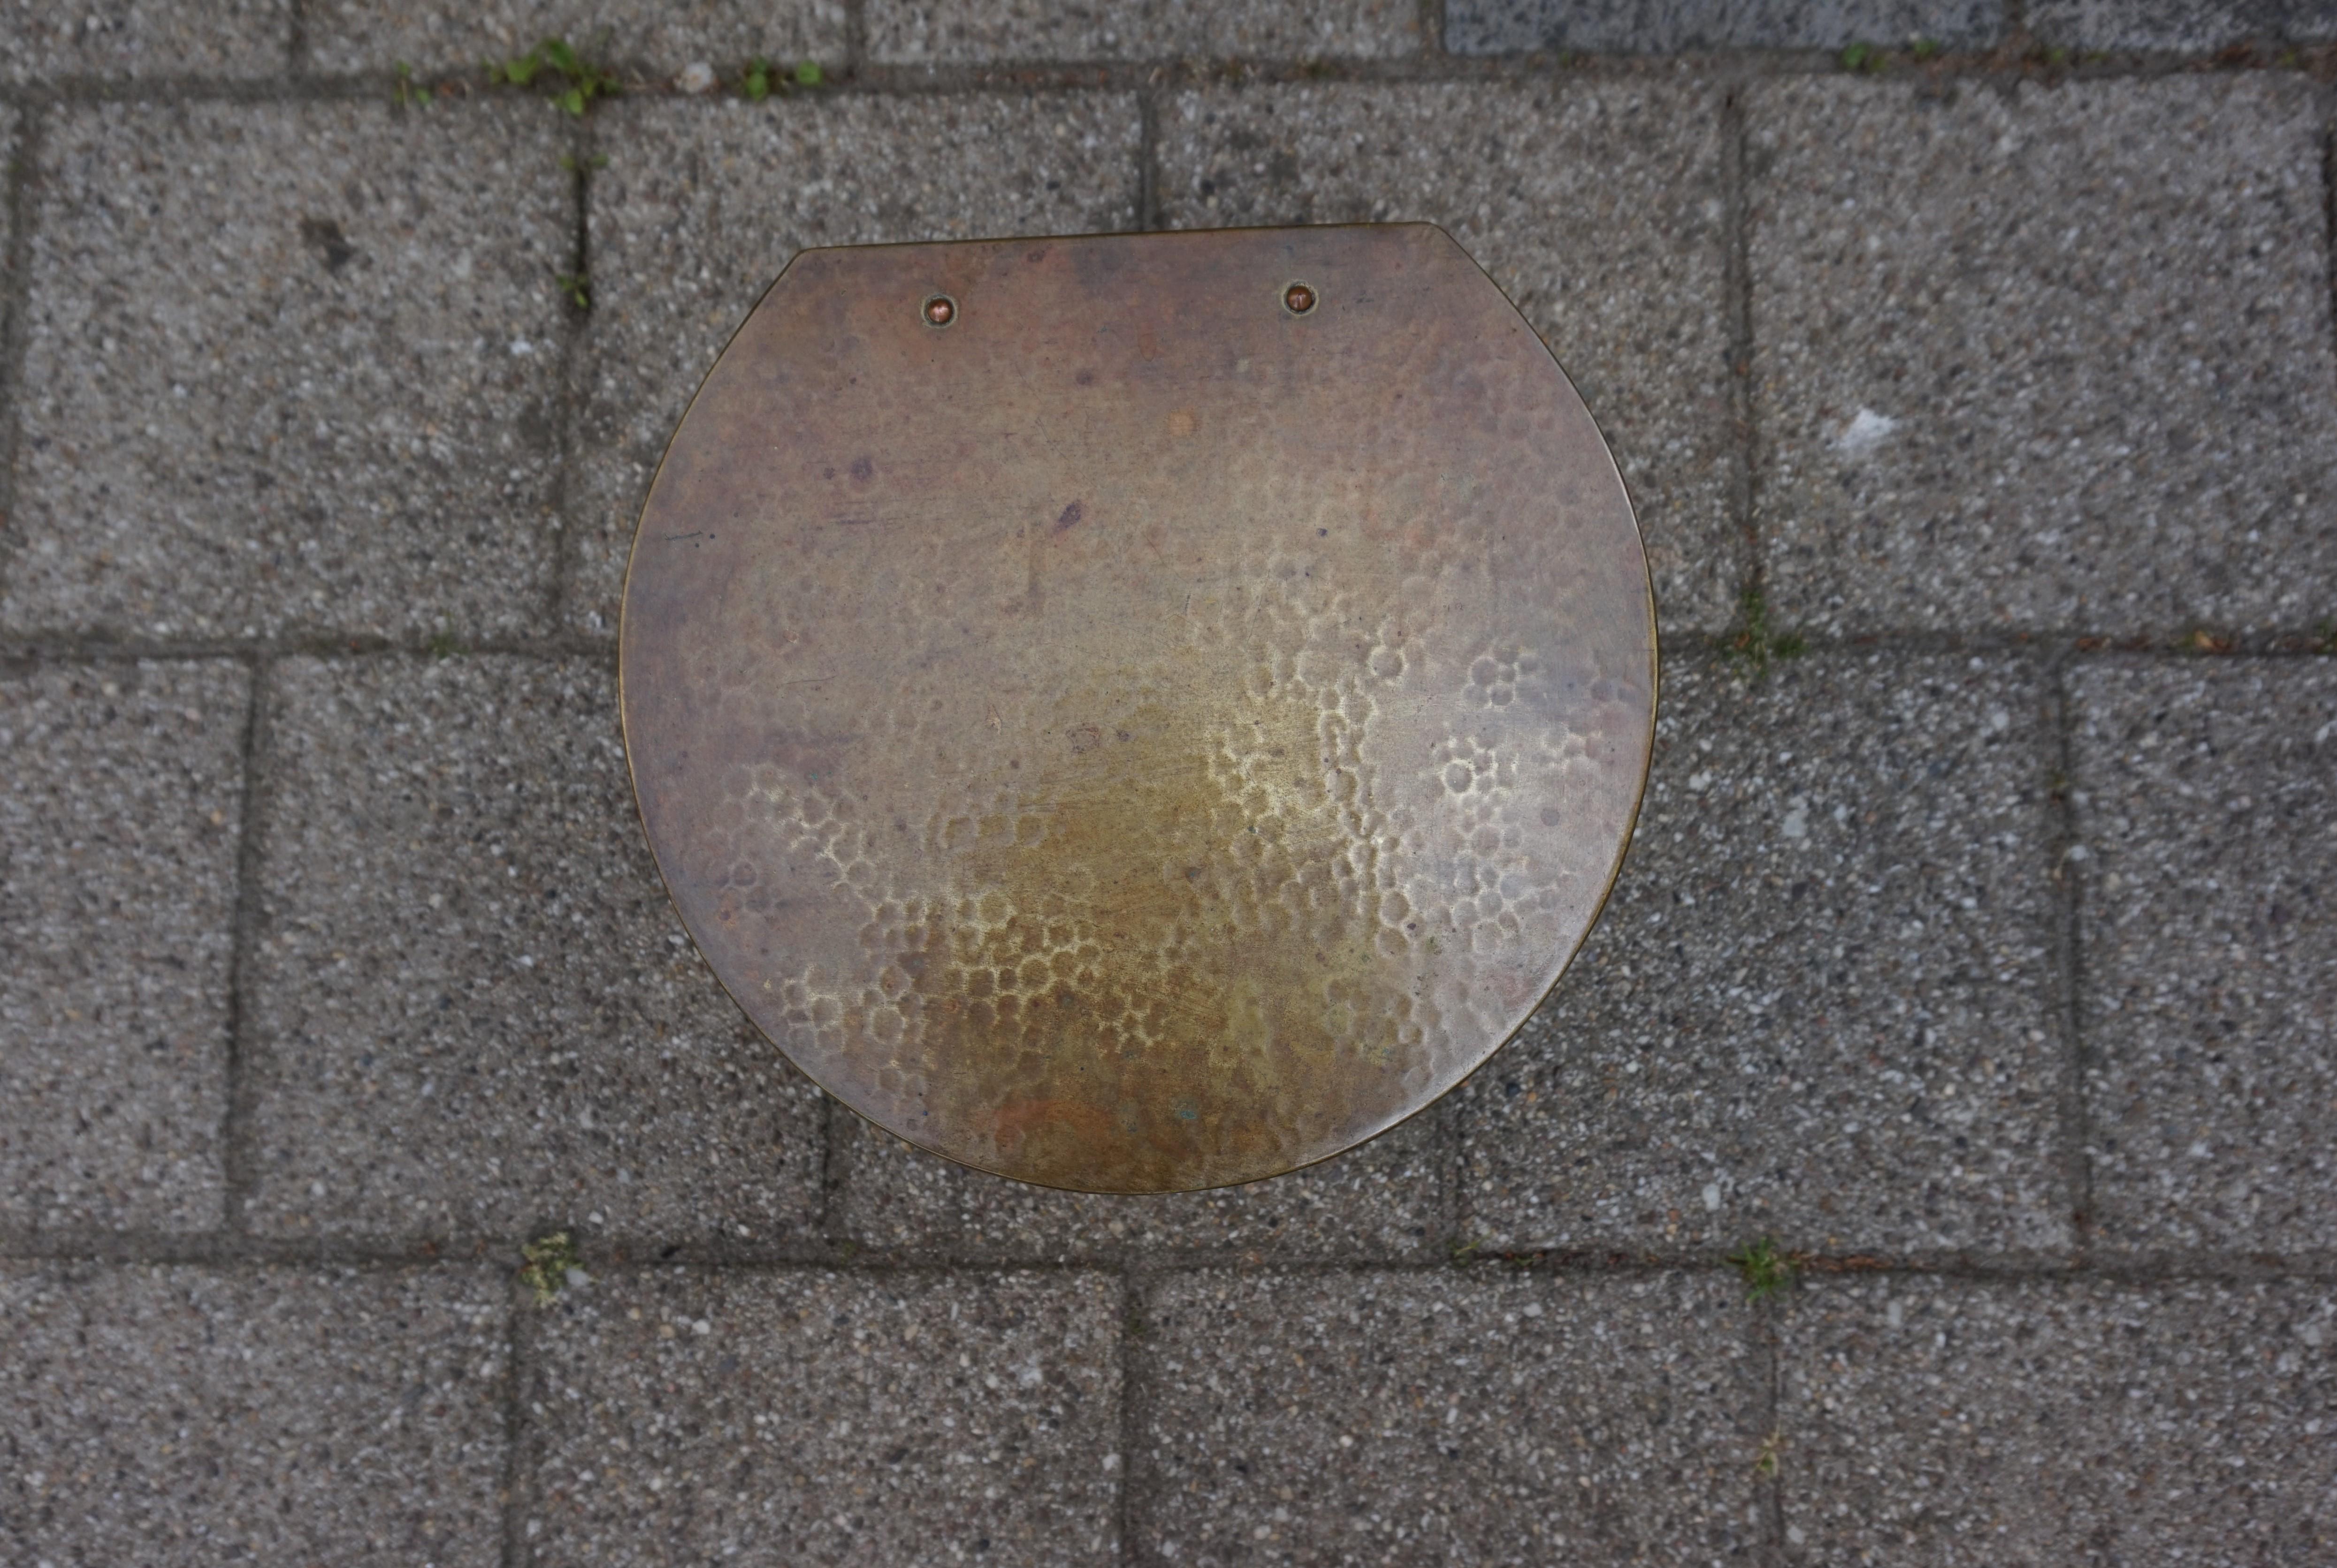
1755	643
1764	1459
1864	58
1925	48
549	1261
2327	638
443	645
574	81
764	77
568	164
1766	1270
411	95
577	287
1462	1250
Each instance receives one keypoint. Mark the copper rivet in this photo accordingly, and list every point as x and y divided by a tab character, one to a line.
941	310
1298	299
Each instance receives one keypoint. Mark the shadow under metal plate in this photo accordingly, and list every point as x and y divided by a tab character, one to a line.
1160	726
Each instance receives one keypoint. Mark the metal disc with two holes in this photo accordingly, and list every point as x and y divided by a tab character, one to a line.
1139	713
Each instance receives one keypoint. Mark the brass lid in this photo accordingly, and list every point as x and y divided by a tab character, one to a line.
1139	712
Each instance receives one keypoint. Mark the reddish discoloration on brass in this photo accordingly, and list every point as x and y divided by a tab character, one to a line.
1131	742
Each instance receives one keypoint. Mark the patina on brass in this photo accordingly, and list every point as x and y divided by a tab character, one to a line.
1162	729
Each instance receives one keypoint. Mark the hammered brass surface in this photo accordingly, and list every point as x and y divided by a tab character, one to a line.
1139	737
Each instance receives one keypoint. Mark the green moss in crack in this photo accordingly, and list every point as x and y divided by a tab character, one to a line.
1764	1269
573	81
1755	643
547	1266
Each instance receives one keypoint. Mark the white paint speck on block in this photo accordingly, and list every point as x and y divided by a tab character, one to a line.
1712	1196
1864	432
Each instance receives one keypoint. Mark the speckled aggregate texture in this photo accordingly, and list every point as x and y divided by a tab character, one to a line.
1442	1418
1383	1201
681	1416
2050	358
184	1417
120	808
1820	1001
529	1037
1595	207
633	36
701	206
2184	24
334	413
12	139
968	32
1969	1422
1664	26
2209	811
144	39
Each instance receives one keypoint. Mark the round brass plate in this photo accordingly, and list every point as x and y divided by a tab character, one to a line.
1142	737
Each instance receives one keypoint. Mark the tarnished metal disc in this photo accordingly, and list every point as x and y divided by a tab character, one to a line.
1142	712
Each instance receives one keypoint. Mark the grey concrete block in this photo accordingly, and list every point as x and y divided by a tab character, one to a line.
2050	358
981	32
290	367
41	40
643	35
703	203
1385	1200
1959	1422
1479	1415
477	1012
1668	26
1595	207
121	814
13	149
879	1419
2207	795
2184	25
1820	1002
184	1415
